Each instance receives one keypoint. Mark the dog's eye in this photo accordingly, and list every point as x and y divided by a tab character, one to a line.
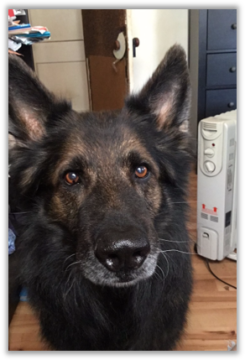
141	171
71	178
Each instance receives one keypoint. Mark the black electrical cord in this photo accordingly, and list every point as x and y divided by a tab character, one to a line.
208	265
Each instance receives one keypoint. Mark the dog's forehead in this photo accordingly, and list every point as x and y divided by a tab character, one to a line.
103	134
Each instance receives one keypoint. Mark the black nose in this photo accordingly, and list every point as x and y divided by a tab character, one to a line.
122	254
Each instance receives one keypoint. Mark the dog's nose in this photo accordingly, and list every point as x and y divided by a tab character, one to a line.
123	254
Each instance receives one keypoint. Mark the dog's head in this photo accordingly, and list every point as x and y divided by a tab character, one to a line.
102	178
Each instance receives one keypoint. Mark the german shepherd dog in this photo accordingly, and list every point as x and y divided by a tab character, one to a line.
102	243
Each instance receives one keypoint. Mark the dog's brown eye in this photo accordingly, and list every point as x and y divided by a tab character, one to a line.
71	178
141	171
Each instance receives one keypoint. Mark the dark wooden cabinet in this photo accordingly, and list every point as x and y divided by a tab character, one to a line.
219	101
221	29
221	70
213	63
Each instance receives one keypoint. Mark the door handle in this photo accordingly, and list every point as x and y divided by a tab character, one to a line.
136	43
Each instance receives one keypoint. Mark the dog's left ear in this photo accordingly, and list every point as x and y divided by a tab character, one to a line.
167	93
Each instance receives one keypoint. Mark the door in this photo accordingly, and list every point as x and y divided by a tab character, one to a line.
108	81
157	30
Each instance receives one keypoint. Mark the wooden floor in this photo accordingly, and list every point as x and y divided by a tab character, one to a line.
212	317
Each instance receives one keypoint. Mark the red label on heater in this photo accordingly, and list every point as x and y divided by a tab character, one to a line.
213	211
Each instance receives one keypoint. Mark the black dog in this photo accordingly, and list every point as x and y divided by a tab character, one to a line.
103	242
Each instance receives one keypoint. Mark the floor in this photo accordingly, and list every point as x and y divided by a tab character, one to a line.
211	324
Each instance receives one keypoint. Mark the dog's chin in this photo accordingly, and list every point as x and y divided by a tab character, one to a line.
104	277
117	281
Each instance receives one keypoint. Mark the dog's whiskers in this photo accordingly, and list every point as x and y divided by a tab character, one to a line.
165	256
72	264
68	257
180	242
163	274
74	281
180	251
70	287
176	241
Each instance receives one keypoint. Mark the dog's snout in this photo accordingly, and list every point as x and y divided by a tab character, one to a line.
123	254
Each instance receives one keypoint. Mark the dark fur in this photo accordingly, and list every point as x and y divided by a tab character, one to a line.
81	304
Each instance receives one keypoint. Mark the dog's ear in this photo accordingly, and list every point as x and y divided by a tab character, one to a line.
30	103
167	93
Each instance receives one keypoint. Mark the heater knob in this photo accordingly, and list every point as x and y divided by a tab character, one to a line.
209	152
209	165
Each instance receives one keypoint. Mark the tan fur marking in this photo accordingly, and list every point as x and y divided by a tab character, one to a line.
33	126
155	196
26	176
58	209
163	112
